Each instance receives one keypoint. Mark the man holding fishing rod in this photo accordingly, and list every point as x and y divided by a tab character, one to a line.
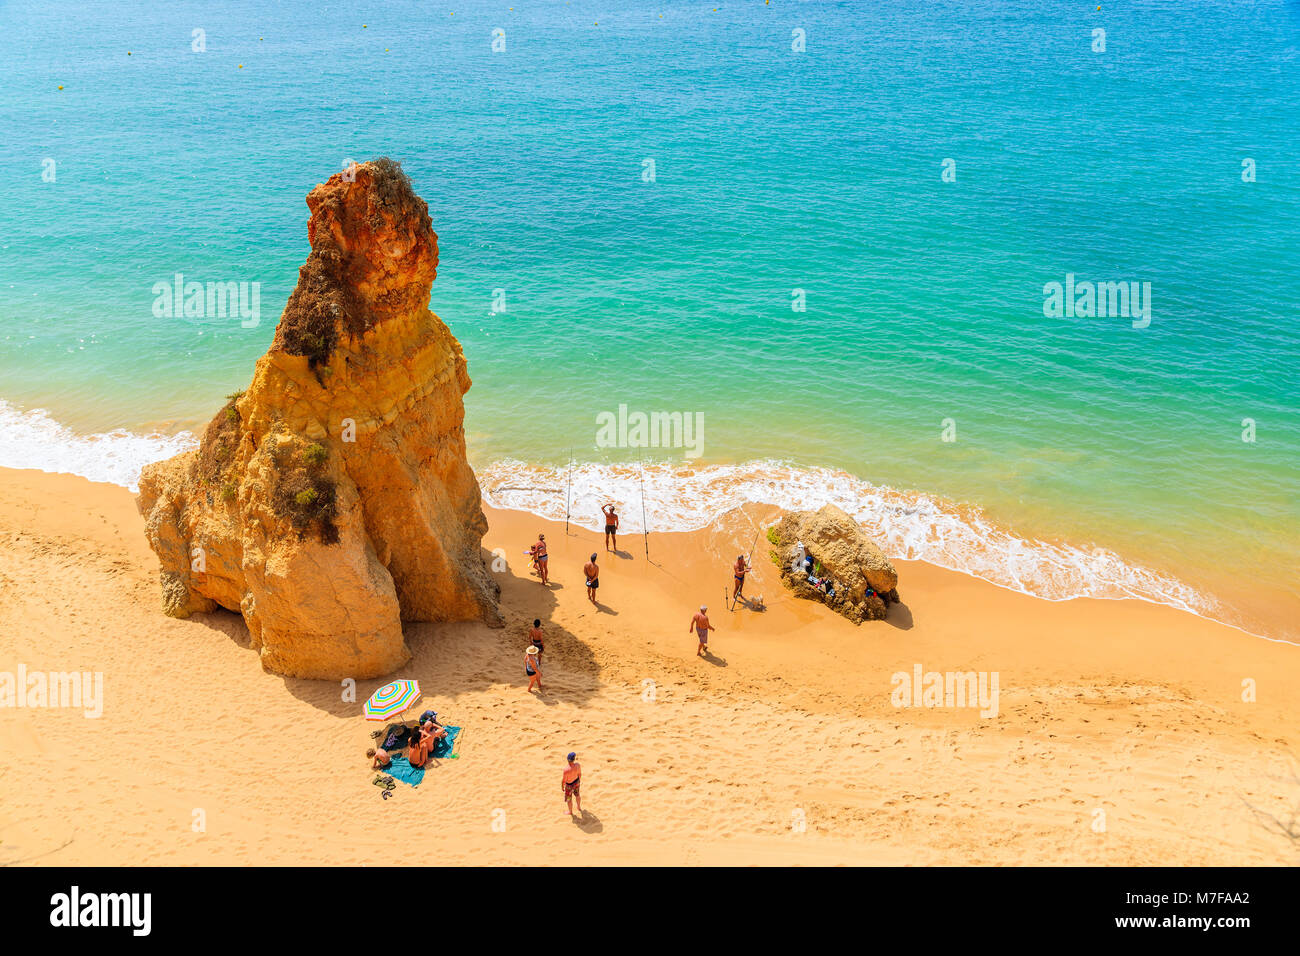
742	566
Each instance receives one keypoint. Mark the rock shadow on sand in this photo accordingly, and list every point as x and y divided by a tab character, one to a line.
469	657
229	623
899	616
463	657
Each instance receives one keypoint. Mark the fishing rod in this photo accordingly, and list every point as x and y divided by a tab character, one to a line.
568	494
645	530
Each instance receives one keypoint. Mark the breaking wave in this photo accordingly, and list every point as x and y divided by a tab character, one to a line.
906	524
31	439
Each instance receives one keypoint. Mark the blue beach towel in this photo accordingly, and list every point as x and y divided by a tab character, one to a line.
399	768
444	748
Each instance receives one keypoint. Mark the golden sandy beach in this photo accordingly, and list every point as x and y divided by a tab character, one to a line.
1126	708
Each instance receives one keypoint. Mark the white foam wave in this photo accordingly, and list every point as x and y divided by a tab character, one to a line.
905	524
32	439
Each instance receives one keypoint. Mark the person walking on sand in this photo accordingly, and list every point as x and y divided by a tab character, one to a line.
538	551
700	621
611	527
533	668
593	578
739	570
571	781
535	637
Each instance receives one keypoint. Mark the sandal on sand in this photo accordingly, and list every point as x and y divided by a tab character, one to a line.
382	781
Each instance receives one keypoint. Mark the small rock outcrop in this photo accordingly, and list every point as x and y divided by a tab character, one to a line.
333	500
855	578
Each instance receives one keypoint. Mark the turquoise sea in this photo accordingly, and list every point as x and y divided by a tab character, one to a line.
794	146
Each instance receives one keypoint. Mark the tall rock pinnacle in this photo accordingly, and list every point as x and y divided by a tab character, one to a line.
333	500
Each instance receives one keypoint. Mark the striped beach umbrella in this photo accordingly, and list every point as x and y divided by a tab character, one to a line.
392	699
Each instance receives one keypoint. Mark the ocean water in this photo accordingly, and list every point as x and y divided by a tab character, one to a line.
922	386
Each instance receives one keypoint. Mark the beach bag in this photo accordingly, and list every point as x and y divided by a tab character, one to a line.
397	736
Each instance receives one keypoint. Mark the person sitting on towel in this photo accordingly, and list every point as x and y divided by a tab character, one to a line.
429	724
430	733
416	752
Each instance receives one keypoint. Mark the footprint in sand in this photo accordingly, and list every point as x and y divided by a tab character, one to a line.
25	842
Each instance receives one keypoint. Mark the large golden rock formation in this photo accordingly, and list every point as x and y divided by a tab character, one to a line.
856	579
333	500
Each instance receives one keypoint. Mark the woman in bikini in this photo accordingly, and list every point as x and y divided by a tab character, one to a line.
535	637
533	668
416	752
539	558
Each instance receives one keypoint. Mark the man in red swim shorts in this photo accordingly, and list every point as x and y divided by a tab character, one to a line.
571	781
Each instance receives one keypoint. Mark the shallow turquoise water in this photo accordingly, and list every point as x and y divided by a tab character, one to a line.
775	170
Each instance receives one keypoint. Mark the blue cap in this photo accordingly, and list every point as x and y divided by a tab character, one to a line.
572	755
